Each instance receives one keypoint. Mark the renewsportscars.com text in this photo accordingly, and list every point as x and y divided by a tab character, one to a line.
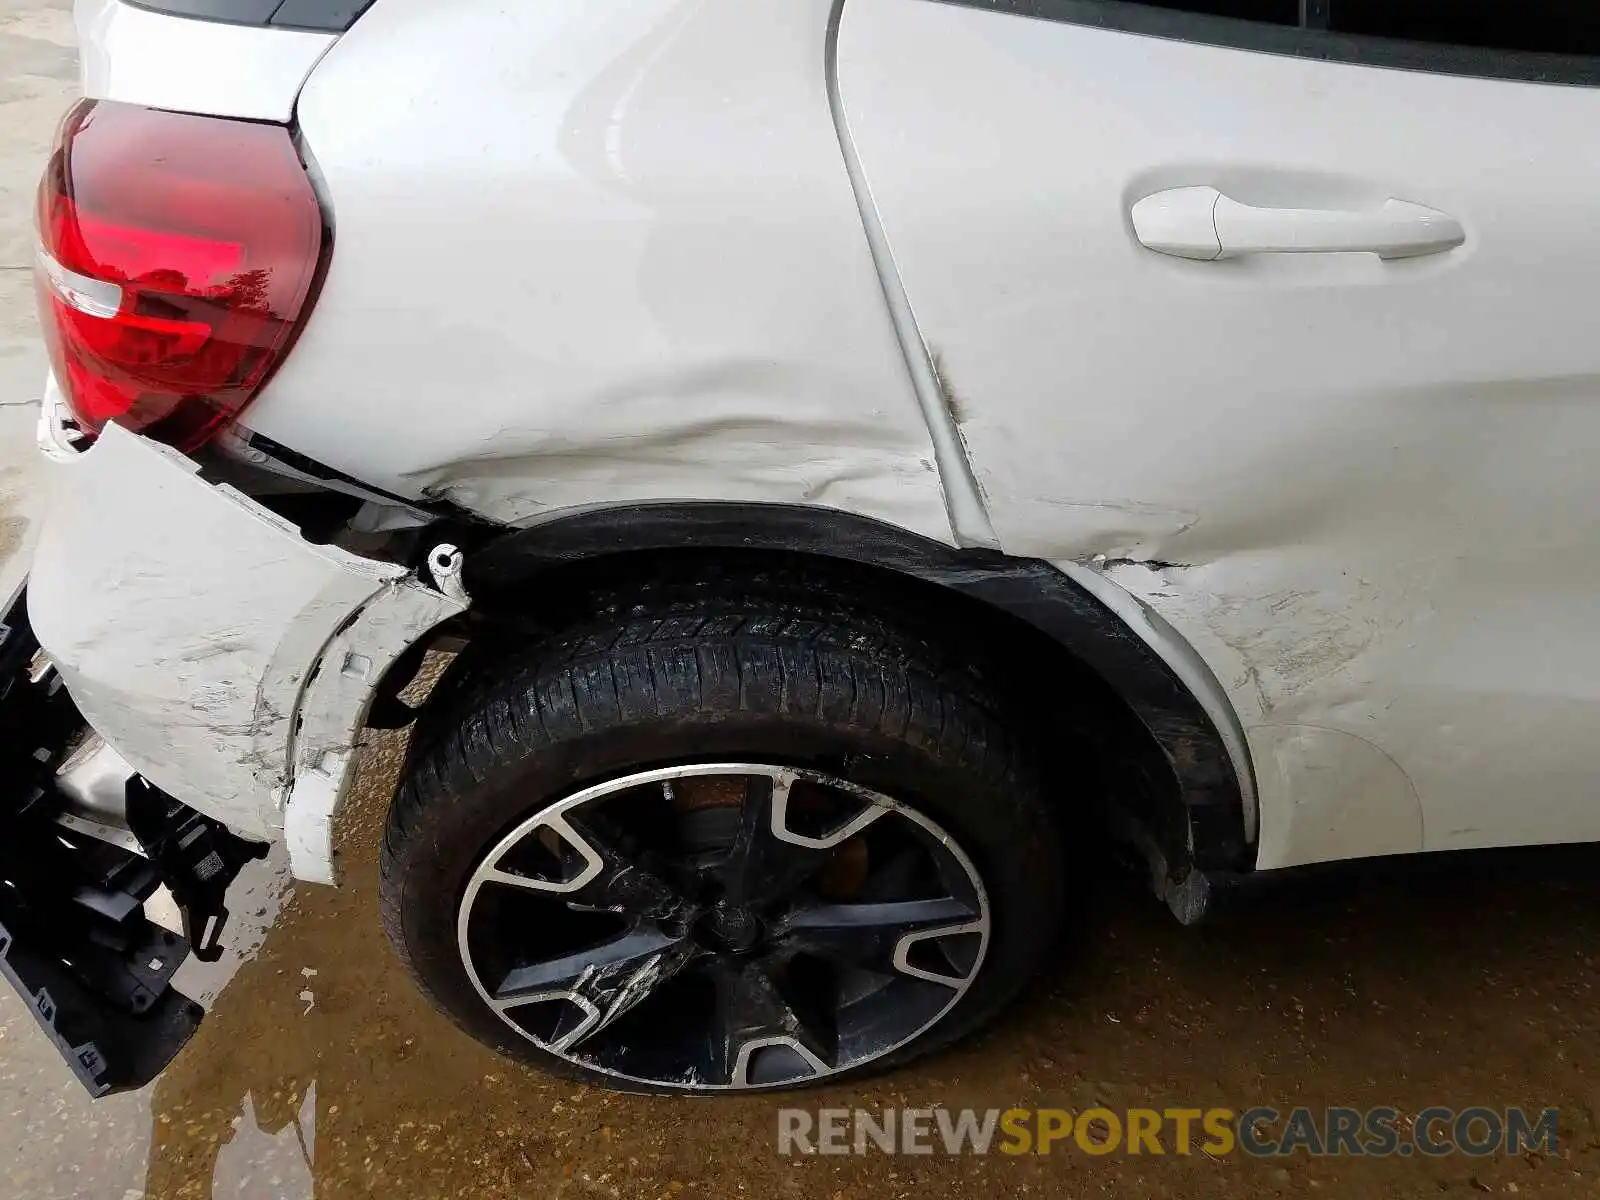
1260	1131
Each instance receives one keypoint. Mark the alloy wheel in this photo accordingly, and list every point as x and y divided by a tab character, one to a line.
723	926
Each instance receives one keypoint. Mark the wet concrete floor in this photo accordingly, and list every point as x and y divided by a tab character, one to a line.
320	1072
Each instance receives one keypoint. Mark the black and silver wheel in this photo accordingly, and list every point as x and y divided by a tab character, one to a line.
720	843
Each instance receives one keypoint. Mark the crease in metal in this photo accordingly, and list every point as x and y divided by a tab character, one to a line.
963	501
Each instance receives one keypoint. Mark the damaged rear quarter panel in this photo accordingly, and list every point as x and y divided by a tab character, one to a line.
598	254
185	621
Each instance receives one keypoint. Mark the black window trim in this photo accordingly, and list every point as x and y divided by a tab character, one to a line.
1128	16
305	16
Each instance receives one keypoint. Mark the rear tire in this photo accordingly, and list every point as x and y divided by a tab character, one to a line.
805	695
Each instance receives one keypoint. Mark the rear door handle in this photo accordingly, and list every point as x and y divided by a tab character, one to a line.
1202	223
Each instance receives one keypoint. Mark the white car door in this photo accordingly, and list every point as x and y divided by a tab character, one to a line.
1287	326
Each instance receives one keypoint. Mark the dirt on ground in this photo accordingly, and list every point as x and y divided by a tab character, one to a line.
1464	986
322	1072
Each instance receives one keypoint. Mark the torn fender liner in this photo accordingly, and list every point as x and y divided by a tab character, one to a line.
187	623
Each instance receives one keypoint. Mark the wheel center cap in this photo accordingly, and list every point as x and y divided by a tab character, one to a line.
729	927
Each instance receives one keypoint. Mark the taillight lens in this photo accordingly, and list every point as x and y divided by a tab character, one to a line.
178	255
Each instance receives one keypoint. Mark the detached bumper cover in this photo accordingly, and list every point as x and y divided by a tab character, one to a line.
230	661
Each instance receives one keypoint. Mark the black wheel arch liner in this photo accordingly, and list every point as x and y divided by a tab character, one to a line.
1205	833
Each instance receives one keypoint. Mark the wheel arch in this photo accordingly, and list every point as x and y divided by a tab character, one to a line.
1179	800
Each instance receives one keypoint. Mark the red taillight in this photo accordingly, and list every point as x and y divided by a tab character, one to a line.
177	256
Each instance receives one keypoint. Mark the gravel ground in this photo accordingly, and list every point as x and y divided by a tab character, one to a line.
320	1071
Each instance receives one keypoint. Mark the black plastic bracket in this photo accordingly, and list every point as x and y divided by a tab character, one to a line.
196	858
109	1048
74	940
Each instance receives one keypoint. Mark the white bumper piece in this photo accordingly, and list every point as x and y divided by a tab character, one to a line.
230	661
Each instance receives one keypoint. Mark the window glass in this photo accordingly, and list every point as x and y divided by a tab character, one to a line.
1539	26
1549	26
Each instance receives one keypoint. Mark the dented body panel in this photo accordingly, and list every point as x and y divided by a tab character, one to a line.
1362	490
636	272
226	659
876	257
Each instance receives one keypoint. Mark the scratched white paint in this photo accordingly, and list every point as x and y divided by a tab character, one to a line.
334	709
1376	479
636	271
597	253
185	621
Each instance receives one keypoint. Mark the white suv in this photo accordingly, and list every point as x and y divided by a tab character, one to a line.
850	445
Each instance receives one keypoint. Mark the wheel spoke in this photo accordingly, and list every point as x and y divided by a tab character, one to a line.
895	878
609	879
754	1013
617	958
769	859
877	937
748	926
600	983
637	883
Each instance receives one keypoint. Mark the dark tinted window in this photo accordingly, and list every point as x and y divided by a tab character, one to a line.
1547	41
235	12
1539	26
1546	26
334	16
1279	12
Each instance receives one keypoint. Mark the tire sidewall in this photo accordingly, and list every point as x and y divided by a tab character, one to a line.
1000	826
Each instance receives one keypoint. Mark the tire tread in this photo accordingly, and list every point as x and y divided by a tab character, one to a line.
677	651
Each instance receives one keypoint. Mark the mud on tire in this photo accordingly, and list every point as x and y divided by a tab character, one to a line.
764	671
